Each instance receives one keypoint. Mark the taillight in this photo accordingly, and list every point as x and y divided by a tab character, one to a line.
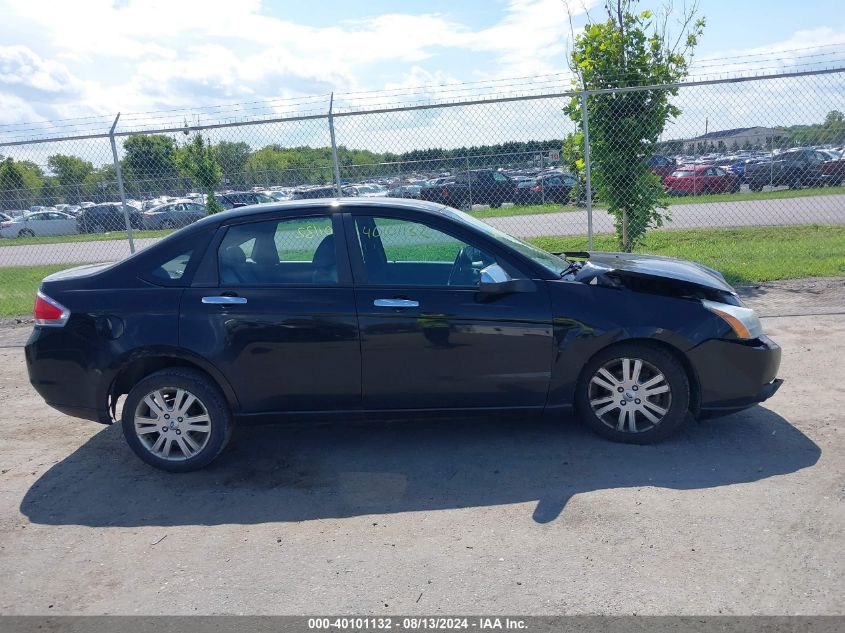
49	312
537	188
445	193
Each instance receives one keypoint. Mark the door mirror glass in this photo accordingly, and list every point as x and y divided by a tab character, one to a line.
494	274
496	281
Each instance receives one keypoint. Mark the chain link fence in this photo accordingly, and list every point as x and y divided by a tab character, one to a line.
747	177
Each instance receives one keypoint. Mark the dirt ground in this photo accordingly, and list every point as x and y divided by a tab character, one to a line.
740	515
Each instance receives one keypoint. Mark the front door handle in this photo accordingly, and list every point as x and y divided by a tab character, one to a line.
224	301
396	303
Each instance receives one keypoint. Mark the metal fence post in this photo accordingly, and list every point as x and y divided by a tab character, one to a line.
119	175
589	193
469	182
334	148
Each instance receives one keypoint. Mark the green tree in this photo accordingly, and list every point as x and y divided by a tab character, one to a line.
101	185
630	49
232	158
70	172
197	160
149	165
21	183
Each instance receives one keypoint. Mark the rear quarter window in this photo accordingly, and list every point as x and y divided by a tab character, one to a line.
170	272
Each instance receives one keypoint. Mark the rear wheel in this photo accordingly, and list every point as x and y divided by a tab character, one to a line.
634	392
26	233
176	420
756	186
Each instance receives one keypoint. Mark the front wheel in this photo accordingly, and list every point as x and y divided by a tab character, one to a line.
176	420
26	233
633	392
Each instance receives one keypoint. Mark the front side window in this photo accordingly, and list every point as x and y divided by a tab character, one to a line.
406	253
291	251
548	261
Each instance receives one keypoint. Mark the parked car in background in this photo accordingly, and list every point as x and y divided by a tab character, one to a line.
278	196
795	168
479	186
308	193
700	179
102	218
40	224
174	215
833	170
405	191
386	307
735	166
552	187
662	166
234	199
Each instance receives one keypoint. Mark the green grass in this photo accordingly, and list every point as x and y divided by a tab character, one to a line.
780	194
83	237
743	255
18	286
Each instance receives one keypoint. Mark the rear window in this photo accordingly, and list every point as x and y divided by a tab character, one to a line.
171	271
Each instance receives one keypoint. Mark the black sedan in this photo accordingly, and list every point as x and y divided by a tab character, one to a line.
544	189
359	307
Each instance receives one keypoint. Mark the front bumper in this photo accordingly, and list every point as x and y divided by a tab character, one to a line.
733	375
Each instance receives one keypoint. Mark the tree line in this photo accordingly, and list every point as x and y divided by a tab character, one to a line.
157	164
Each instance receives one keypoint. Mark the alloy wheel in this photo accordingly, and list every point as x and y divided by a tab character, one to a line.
629	395
172	423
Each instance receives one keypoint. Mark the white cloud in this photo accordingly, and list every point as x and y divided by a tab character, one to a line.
20	67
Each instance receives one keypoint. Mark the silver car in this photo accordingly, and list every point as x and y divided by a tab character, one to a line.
40	224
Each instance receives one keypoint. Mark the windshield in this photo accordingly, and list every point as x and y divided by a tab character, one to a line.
552	263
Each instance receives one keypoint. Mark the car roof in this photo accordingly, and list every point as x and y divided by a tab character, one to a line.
336	205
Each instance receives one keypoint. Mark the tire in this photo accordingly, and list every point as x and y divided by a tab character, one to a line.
755	186
202	446
26	233
592	397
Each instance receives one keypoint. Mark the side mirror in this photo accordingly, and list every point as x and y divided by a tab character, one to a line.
496	281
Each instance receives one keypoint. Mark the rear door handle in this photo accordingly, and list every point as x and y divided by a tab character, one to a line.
396	303
224	301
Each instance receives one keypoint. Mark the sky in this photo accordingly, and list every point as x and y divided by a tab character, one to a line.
93	58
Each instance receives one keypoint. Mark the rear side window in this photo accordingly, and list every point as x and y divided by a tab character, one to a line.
172	270
294	251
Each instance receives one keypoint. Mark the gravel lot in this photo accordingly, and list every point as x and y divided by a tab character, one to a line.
739	515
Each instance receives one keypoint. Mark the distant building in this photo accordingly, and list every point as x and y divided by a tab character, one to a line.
741	137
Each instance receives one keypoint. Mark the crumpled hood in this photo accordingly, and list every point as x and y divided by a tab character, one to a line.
658	266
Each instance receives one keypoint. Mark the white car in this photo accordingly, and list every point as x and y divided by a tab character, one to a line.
42	223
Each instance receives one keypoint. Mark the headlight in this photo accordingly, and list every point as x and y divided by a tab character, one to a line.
743	321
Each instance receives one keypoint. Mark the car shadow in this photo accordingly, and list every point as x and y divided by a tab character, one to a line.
284	473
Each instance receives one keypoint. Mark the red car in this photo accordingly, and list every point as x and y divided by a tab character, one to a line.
698	179
833	171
